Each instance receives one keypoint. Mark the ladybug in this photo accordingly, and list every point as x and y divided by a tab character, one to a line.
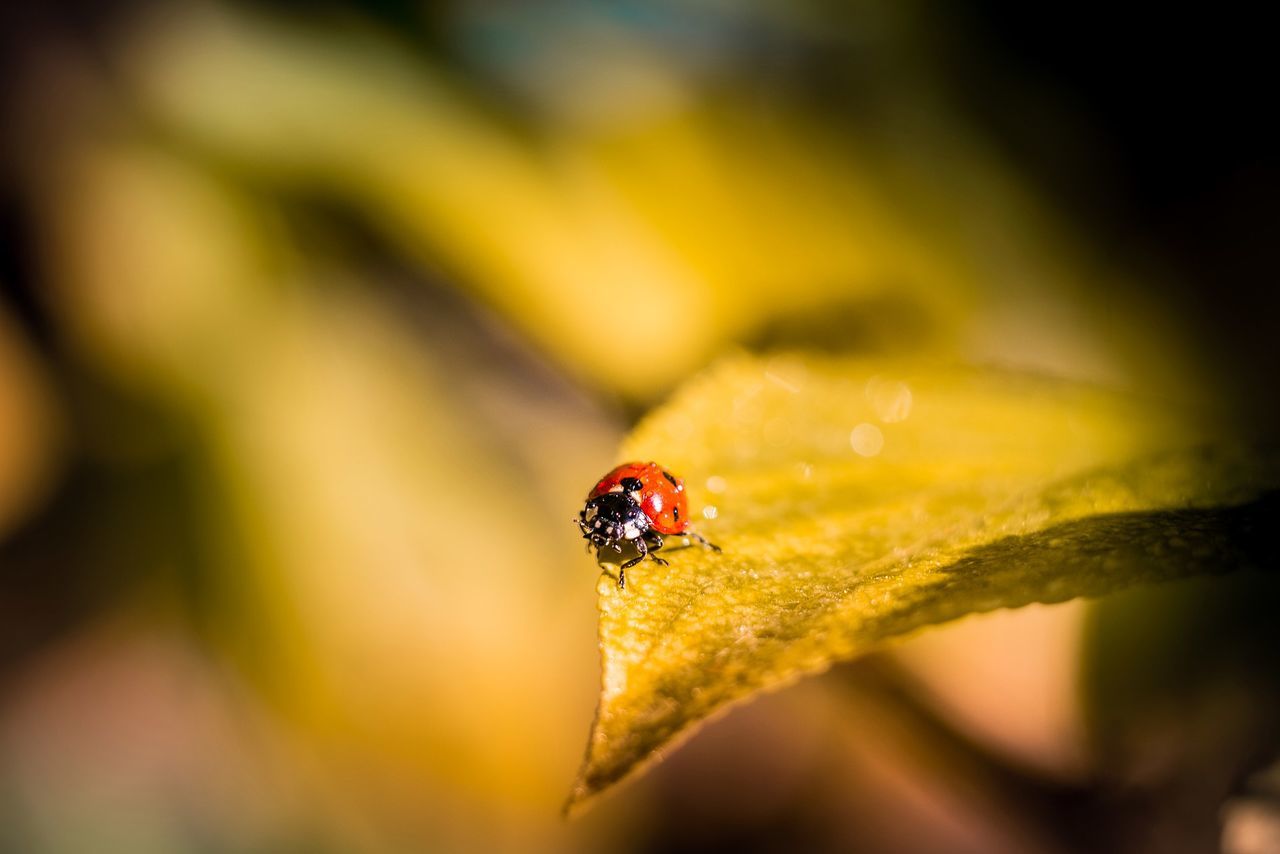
637	503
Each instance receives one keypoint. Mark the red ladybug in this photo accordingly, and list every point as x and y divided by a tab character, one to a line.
637	503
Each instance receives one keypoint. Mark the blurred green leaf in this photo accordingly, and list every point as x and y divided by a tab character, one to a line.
734	222
859	501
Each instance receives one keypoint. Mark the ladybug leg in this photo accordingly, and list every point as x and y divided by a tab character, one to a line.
706	544
653	543
622	570
642	549
647	547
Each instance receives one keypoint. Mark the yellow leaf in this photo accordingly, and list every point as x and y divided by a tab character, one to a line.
857	502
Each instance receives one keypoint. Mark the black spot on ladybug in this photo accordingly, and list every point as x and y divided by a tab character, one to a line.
669	477
675	511
631	484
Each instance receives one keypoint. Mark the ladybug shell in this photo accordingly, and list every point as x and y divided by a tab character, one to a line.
662	496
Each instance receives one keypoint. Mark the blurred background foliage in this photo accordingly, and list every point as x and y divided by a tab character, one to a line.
318	320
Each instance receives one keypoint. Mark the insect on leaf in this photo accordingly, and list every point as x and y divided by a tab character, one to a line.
858	502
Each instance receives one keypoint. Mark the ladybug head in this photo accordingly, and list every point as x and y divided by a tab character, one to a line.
611	518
